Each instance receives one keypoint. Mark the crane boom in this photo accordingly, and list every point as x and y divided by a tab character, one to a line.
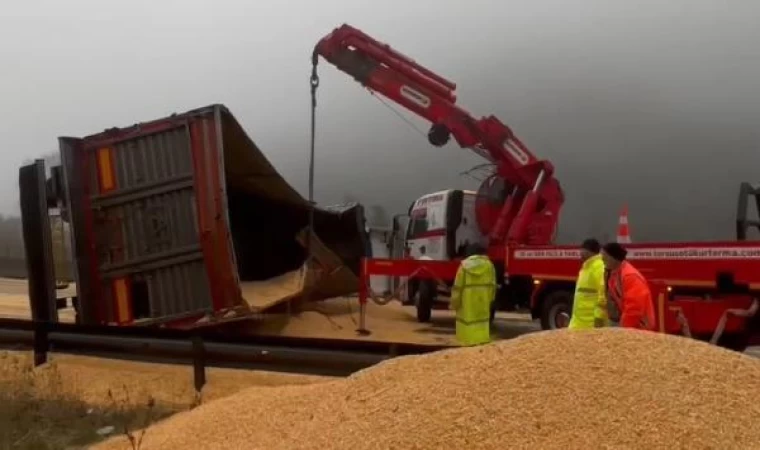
526	215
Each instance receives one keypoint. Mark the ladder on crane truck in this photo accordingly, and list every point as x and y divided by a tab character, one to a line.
706	290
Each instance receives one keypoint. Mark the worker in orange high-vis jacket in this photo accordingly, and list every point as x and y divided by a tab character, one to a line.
627	289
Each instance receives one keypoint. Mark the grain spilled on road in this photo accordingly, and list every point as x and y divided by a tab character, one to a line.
609	388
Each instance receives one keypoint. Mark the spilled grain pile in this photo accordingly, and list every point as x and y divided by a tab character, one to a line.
599	389
64	403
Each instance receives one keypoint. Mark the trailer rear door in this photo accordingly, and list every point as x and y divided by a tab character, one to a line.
132	197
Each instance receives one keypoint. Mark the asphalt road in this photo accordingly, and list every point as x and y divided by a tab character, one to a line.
14	303
10	286
14	300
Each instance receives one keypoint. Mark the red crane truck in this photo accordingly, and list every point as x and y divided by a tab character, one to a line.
706	290
519	203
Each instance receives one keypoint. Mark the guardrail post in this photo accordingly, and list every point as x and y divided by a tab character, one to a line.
41	343
363	292
199	363
362	329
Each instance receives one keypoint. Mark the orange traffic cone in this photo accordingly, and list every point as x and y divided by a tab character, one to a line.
623	233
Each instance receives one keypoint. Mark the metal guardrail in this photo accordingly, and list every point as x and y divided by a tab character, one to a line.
334	357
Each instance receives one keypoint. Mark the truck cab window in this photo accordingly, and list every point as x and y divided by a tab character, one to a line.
417	227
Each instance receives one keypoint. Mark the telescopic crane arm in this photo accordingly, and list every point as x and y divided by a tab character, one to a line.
530	211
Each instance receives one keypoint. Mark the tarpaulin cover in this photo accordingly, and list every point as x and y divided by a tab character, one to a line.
262	205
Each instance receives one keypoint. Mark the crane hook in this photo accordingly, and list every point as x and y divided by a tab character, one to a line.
314	80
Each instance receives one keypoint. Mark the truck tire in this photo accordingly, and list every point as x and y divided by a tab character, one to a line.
411	292
555	310
496	304
424	302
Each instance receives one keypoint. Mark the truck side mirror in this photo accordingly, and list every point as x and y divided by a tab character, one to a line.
743	221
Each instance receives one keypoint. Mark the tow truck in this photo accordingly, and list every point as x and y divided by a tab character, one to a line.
518	203
707	290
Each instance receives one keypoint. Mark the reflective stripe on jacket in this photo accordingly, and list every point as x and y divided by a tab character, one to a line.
471	297
629	290
590	300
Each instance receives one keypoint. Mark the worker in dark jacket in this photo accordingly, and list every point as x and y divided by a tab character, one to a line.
627	289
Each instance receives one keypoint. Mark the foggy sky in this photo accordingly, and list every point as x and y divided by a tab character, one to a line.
651	103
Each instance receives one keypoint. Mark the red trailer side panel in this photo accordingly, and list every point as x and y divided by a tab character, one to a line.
146	215
169	218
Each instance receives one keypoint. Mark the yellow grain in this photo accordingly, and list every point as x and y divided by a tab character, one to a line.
572	390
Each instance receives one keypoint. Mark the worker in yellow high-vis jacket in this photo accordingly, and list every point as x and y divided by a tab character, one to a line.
473	293
590	300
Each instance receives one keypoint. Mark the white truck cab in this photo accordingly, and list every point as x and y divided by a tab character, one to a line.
444	224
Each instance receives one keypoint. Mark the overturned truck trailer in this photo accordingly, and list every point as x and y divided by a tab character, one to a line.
183	221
